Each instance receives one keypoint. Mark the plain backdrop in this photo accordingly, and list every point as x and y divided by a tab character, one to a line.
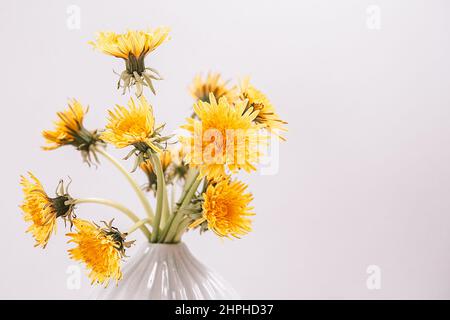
363	179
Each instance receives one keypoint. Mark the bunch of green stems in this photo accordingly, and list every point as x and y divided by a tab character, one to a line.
169	221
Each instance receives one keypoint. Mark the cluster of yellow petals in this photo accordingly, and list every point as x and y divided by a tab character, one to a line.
136	42
128	126
201	88
97	250
223	138
67	127
226	208
38	209
165	158
267	115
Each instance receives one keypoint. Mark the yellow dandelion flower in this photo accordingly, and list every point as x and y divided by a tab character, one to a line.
133	46
147	167
165	158
134	126
222	138
100	249
133	42
41	210
213	83
226	208
180	167
69	130
259	102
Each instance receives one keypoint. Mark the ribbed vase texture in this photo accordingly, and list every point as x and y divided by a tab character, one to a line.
166	271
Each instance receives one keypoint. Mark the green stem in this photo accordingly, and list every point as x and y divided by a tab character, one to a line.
172	197
179	215
166	208
138	225
181	229
130	214
161	194
167	227
133	183
192	174
188	197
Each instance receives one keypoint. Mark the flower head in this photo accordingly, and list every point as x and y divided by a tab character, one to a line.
41	210
180	167
166	161
133	42
133	126
147	167
101	249
69	130
213	83
259	102
133	46
226	209
222	138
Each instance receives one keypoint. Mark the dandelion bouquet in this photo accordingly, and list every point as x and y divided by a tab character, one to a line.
226	133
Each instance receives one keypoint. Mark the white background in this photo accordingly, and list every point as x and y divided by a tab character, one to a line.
363	179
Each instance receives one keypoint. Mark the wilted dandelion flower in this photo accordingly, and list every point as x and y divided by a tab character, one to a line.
69	130
41	210
100	249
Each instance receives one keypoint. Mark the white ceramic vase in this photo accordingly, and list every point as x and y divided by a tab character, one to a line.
166	272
